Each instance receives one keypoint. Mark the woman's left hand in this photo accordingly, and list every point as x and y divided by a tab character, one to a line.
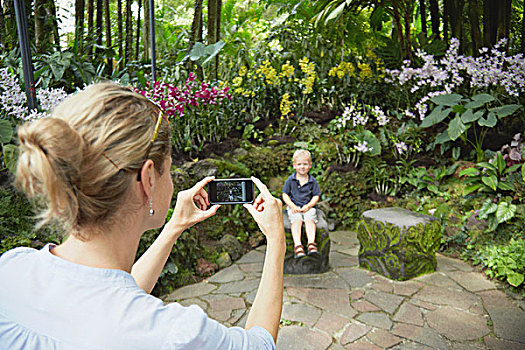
192	205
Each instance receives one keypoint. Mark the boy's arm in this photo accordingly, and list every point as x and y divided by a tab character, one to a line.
288	201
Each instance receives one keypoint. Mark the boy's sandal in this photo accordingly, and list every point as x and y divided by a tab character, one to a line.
298	252
312	248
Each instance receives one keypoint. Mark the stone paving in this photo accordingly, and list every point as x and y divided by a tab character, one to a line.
351	308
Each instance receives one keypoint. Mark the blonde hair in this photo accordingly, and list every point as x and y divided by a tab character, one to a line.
79	163
302	153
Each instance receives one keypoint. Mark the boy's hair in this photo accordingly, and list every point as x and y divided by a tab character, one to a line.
300	153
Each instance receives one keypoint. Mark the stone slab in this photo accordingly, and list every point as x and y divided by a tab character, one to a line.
353	332
296	337
472	281
354	276
383	338
323	280
229	274
457	325
397	216
299	312
251	257
409	313
423	335
362	344
191	291
449	264
331	323
334	300
501	344
338	259
375	319
443	296
238	287
508	320
387	302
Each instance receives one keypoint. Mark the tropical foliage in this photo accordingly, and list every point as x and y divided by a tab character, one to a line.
418	104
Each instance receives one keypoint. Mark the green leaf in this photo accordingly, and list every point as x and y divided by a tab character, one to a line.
456	128
456	152
523	172
491	181
447	99
469	116
479	100
372	142
437	115
487	208
490	121
6	131
500	163
505	212
442	138
506	110
512	168
506	186
469	172
11	157
515	279
487	165
471	188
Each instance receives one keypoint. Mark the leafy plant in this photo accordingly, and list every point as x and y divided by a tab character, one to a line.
464	114
497	213
489	177
505	262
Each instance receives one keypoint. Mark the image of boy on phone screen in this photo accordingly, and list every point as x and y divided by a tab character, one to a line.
301	193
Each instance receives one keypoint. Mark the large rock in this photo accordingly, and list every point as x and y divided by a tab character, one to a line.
398	243
230	245
316	263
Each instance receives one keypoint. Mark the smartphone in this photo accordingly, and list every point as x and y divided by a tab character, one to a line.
231	191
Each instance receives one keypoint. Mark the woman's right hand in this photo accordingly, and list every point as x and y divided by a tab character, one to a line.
267	211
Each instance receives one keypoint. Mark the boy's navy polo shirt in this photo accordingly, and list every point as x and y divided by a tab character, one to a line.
301	195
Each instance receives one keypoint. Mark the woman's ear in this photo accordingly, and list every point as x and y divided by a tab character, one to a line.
147	177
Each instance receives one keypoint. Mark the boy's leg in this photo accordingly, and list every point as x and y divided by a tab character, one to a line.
310	217
296	232
309	226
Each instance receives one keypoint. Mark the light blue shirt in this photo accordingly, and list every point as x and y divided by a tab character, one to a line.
49	303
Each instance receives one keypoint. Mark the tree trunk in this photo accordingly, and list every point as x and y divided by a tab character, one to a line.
490	22
137	42
2	26
129	33
99	29
434	17
523	31
475	32
212	32
196	36
507	24
399	30
119	29
423	12
79	25
90	9
454	12
109	58
408	10
147	42
41	34
54	22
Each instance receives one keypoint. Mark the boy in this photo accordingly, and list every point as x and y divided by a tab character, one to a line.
301	193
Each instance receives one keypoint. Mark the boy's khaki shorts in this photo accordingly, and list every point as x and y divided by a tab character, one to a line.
309	215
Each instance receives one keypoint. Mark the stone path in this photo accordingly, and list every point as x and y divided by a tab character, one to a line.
352	308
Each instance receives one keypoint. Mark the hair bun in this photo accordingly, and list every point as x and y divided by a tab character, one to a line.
49	162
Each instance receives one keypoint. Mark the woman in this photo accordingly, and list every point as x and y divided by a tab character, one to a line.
99	167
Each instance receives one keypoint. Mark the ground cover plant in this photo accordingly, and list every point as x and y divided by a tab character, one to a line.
409	117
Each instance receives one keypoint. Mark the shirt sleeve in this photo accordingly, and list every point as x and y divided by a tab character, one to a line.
316	191
209	334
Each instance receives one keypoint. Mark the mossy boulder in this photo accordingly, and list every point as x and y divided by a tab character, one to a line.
398	243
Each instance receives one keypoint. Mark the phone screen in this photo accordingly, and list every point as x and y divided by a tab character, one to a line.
231	191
